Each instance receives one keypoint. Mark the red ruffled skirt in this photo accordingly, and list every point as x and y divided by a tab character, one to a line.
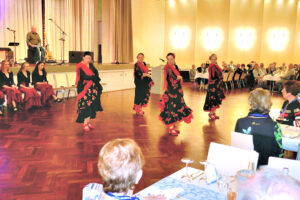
2	98
13	94
47	93
31	98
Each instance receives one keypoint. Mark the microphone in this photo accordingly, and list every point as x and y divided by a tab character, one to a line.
161	59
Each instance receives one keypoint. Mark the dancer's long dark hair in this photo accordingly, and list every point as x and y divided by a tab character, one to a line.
36	69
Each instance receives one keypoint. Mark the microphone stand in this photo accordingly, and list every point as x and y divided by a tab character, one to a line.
15	47
62	39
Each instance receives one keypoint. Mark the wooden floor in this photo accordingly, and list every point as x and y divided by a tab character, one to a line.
45	155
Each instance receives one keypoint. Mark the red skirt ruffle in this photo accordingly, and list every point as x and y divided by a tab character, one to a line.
31	98
47	93
13	94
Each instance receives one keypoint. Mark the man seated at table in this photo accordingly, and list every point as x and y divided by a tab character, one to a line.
288	75
267	138
202	69
120	166
34	44
237	73
192	73
269	184
290	111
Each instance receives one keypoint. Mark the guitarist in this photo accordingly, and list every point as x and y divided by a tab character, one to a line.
34	44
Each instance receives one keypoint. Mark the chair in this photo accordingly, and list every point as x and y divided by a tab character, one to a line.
228	160
52	81
241	140
71	78
230	77
61	83
242	79
292	165
225	79
237	79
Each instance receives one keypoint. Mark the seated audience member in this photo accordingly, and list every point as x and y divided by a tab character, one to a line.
120	166
192	73
252	75
298	73
2	100
237	73
231	66
202	70
290	112
243	68
270	69
8	87
40	82
267	138
31	97
262	70
288	75
269	184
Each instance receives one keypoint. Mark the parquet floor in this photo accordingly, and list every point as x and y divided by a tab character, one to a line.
45	155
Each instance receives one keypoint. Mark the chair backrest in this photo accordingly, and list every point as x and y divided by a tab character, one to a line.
298	153
51	80
61	80
237	77
228	160
230	77
225	76
71	78
292	165
241	140
243	76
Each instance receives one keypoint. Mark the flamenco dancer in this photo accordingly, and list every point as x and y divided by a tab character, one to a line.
172	106
86	82
143	83
215	90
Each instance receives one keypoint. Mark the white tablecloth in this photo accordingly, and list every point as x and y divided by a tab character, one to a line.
271	78
174	187
201	75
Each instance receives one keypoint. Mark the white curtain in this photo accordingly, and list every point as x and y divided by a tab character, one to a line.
78	18
19	15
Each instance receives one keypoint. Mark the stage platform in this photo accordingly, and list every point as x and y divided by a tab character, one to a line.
70	67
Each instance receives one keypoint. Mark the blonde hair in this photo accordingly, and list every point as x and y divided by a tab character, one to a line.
212	55
119	162
260	100
2	65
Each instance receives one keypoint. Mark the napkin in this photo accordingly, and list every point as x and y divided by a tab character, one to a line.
211	174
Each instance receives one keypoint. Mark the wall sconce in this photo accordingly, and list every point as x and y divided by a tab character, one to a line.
245	38
180	37
278	39
212	38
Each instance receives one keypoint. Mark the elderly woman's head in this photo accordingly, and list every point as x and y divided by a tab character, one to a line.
260	101
120	165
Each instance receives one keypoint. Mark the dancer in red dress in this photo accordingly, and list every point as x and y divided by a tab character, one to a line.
143	83
31	97
172	106
215	90
8	87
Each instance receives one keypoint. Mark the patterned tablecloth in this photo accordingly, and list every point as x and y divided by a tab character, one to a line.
201	75
174	187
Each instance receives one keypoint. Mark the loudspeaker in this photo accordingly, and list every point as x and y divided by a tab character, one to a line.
76	56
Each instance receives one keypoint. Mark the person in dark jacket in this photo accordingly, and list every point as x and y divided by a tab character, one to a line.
267	137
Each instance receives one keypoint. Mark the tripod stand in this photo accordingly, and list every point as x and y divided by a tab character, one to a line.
62	39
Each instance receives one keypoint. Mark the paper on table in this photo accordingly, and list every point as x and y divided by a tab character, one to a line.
169	193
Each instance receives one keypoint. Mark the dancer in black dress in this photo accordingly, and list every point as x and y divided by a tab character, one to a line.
143	83
172	106
86	82
98	87
215	90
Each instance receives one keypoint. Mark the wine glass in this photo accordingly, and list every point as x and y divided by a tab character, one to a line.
187	161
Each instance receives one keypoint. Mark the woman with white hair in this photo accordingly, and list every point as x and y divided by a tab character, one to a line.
267	137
